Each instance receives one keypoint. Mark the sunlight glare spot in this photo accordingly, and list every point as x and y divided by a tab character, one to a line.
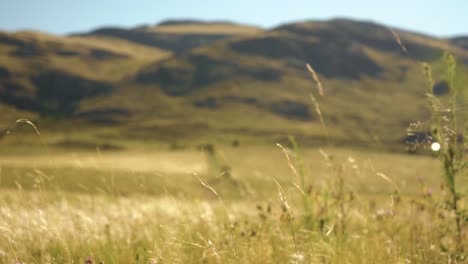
435	146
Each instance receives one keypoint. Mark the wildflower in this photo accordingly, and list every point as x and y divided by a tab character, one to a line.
428	193
297	258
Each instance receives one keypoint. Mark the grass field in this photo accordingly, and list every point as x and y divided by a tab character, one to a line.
185	172
151	207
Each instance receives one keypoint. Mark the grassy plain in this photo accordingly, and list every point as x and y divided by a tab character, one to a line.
149	207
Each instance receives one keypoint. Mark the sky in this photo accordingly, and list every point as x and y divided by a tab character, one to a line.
438	18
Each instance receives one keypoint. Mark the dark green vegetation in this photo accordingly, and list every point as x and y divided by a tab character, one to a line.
187	80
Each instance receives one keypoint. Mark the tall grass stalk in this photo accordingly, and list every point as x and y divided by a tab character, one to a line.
285	207
26	121
299	173
231	226
446	132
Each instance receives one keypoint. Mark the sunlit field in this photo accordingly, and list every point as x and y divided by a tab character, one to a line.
328	141
227	204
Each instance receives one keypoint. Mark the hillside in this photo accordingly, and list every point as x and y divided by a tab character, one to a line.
51	74
373	89
460	42
197	81
177	36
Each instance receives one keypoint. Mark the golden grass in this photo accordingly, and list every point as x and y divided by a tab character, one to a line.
208	29
43	223
119	46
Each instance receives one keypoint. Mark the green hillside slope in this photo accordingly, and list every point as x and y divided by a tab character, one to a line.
190	81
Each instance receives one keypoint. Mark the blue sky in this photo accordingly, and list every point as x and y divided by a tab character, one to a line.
439	18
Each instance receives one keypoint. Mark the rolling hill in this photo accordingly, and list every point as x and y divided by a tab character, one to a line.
177	36
192	81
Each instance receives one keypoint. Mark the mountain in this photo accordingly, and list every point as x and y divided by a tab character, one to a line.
202	81
51	74
461	42
177	36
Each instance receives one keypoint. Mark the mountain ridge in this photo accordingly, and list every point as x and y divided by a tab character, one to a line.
179	73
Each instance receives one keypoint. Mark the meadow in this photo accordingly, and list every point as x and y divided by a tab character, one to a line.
228	204
216	178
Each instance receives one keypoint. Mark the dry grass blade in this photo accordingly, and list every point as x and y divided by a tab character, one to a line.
316	79
30	123
329	230
209	245
233	239
181	240
290	163
398	40
325	155
284	201
387	179
314	100
319	113
25	121
287	209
